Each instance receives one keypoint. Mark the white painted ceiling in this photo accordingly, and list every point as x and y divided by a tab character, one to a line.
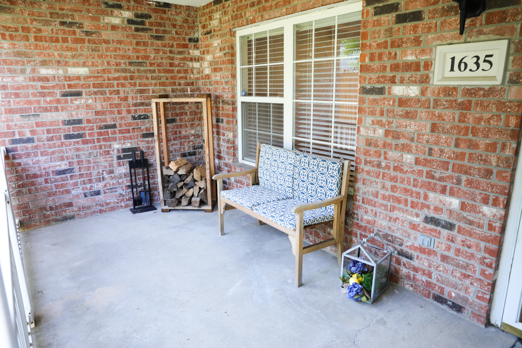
195	3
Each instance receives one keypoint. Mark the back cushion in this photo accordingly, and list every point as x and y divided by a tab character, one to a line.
276	169
316	178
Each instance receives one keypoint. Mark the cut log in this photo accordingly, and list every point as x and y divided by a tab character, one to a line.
175	165
185	169
203	196
187	180
201	184
180	193
200	173
167	171
175	179
185	200
184	184
196	201
171	202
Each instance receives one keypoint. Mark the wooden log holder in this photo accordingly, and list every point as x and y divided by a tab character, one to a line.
161	145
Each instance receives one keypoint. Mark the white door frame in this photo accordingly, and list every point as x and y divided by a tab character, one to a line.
511	235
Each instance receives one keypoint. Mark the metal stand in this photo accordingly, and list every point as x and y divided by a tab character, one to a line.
141	200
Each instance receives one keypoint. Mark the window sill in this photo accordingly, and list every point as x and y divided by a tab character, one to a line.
242	166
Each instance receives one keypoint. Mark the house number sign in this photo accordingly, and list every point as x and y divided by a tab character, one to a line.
480	63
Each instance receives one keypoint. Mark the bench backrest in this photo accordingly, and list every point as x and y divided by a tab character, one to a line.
301	176
316	178
276	169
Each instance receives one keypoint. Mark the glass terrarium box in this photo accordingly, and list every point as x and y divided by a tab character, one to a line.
365	269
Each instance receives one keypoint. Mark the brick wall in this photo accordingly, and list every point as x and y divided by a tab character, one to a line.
432	160
436	160
76	78
76	81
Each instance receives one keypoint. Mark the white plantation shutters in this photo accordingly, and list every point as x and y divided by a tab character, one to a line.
306	99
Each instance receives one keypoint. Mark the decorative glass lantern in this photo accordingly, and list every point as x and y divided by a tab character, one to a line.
366	269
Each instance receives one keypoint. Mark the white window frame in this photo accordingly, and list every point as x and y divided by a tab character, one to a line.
287	23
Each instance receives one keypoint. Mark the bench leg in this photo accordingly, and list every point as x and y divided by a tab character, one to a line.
299	250
221	211
340	243
221	207
340	234
338	231
259	222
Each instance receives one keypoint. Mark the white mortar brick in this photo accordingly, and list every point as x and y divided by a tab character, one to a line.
408	214
50	71
492	213
372	132
408	91
118	145
409	159
77	71
81	100
112	20
443	200
122	14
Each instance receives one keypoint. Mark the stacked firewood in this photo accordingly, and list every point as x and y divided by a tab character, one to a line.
184	184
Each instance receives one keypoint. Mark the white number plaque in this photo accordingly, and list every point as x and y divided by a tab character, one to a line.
480	63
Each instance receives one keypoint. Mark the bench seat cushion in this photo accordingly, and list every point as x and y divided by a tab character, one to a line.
281	212
252	196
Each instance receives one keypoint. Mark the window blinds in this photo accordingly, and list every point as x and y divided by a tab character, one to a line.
326	67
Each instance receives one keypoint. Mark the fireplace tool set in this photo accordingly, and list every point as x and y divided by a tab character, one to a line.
141	200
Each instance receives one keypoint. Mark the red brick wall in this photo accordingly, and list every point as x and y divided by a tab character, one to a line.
433	160
76	78
76	81
436	160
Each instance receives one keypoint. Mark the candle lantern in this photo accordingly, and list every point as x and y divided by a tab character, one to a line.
366	269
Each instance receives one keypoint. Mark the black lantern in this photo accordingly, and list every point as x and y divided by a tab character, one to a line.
469	9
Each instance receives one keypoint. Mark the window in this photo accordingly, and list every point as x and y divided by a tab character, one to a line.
299	82
262	69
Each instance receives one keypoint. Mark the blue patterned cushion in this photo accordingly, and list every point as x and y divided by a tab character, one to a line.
316	178
276	169
281	213
252	196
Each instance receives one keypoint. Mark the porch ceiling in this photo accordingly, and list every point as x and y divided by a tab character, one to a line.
165	280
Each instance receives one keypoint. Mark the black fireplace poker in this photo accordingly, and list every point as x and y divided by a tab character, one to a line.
141	200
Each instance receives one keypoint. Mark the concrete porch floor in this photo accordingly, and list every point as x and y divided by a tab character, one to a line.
168	280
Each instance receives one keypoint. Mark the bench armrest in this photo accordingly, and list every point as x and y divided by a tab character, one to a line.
315	205
231	175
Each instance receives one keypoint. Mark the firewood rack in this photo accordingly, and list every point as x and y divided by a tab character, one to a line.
161	143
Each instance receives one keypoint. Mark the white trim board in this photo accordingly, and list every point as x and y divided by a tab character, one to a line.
315	13
508	248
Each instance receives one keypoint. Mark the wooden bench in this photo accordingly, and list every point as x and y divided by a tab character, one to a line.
290	191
